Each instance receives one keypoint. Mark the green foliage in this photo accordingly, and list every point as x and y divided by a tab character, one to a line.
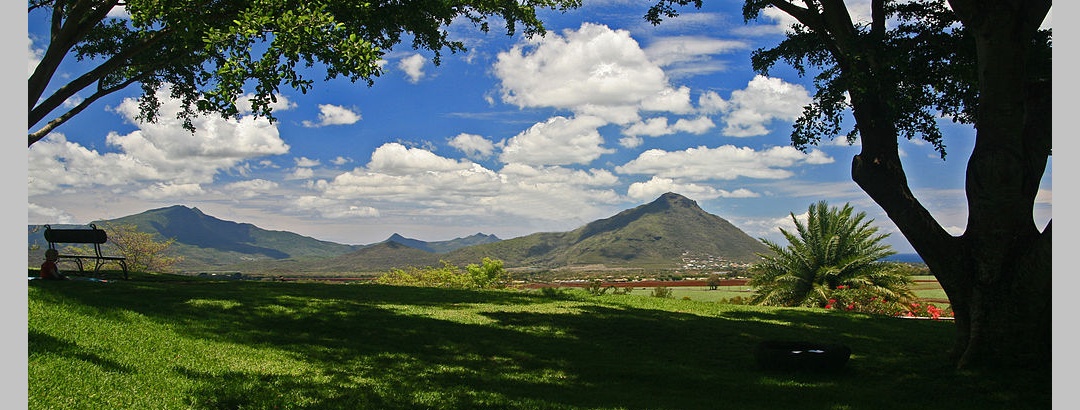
553	293
488	275
865	301
924	50
209	54
735	300
713	281
596	287
142	251
662	292
835	248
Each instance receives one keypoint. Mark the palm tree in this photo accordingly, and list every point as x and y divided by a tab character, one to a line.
833	250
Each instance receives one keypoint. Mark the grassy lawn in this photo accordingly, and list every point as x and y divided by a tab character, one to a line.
926	288
158	342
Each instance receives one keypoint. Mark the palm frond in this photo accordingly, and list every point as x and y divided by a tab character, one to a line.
832	247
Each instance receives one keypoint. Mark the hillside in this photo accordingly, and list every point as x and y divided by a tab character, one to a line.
669	233
209	243
443	246
660	234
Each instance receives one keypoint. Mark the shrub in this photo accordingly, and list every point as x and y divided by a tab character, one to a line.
737	300
554	293
142	251
596	287
928	310
625	290
662	292
872	301
489	274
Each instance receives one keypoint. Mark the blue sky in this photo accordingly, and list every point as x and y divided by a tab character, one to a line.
516	136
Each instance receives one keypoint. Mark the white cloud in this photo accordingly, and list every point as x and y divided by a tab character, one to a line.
655	127
721	163
331	209
677	49
472	145
161	152
630	142
251	188
657	186
55	165
306	162
438	187
40	215
711	103
559	141
330	114
771	22
558	175
683	56
398	160
301	173
671	100
34	55
166	191
216	144
592	66
651	127
413	66
695	126
243	104
762	101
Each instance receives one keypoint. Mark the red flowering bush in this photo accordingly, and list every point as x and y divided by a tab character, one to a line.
928	310
863	301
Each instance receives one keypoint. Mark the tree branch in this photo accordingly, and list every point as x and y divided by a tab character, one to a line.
805	16
51	125
64	34
37	113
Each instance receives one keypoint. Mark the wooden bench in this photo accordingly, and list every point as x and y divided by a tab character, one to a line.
94	236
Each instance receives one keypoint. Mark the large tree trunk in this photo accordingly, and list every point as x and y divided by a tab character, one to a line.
998	273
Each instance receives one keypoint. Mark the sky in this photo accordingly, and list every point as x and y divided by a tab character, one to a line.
515	136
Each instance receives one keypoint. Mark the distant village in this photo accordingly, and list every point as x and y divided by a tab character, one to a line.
708	264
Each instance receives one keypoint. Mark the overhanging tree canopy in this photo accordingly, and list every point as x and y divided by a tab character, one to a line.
209	51
985	63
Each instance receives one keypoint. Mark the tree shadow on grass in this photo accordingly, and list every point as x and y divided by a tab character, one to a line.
369	346
41	345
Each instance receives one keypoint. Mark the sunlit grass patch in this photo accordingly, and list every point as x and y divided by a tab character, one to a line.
164	345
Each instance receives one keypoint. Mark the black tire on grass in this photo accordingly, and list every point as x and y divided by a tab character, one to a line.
801	356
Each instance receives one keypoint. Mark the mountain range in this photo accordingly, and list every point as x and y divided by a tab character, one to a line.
662	234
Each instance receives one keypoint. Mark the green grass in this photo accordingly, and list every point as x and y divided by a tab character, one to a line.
161	342
727	293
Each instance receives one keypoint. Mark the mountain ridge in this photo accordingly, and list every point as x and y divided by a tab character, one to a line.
443	246
658	234
661	234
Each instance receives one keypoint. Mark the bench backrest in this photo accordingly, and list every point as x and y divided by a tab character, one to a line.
92	235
